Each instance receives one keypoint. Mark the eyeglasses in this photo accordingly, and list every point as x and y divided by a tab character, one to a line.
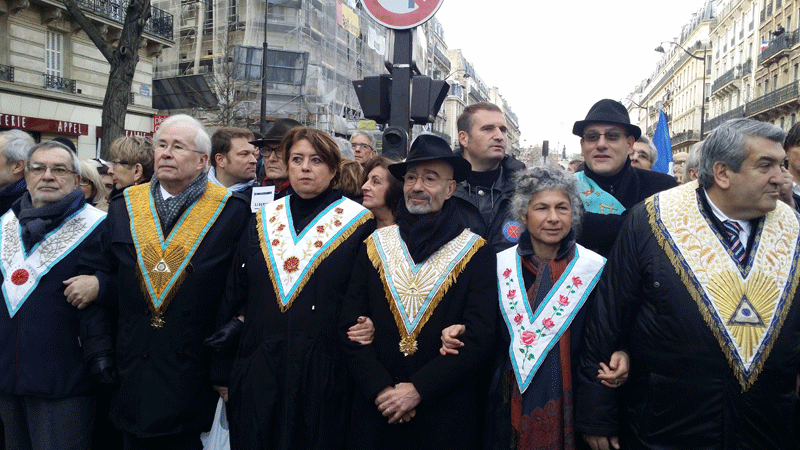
39	170
642	155
175	148
611	136
265	151
85	182
116	163
429	179
360	146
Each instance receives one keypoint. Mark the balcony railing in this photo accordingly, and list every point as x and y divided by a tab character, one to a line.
724	79
6	73
59	84
685	136
716	121
439	54
160	23
774	98
783	42
747	67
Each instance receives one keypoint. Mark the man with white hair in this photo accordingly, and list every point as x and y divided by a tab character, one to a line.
363	145
14	146
169	245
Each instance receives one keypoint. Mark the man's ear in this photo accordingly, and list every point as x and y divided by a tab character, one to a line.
138	173
722	175
19	167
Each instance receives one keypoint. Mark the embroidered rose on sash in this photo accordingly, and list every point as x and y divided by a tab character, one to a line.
528	337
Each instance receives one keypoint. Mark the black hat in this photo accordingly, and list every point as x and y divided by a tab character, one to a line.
66	142
607	111
276	131
429	147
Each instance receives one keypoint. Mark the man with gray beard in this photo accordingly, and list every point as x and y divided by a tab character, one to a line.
414	279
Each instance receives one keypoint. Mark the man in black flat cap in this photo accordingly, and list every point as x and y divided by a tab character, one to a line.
274	171
609	185
414	279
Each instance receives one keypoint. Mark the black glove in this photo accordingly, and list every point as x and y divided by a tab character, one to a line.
102	369
226	337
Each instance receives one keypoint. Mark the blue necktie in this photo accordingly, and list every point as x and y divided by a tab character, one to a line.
732	229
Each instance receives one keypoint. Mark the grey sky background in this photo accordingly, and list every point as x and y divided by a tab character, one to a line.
553	59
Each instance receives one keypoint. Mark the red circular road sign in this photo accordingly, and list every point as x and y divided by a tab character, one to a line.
401	14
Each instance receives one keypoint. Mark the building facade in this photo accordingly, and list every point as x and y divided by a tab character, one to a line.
53	79
681	83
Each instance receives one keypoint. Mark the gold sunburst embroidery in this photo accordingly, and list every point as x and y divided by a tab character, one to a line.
730	294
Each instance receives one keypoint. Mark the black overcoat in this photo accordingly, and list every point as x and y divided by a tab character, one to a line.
447	416
288	387
164	372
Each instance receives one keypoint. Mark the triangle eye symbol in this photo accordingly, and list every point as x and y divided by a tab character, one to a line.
745	314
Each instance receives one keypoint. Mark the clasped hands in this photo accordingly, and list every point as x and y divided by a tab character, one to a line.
398	402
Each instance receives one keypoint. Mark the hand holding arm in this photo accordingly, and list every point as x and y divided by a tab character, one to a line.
363	331
616	372
449	339
81	290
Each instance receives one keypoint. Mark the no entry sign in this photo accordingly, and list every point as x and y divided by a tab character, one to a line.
401	14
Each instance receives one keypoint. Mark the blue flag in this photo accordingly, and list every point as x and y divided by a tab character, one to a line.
663	145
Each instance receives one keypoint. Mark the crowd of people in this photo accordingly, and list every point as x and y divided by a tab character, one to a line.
333	298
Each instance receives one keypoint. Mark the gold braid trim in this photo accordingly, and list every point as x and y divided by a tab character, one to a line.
677	260
195	222
262	240
408	342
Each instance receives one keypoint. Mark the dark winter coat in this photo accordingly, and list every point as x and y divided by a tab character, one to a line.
681	392
494	220
164	372
629	186
288	388
447	415
41	355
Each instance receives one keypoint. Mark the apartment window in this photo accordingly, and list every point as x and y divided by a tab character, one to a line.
54	54
774	82
747	93
796	71
766	86
782	122
794	119
233	15
788	23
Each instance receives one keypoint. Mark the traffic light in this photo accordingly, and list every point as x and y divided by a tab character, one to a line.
395	142
427	96
374	96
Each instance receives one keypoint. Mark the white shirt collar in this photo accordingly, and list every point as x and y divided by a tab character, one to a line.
744	235
164	194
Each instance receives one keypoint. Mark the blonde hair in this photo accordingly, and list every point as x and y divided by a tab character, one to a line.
134	150
99	194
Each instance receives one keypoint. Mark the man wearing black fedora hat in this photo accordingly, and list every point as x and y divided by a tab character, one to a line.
274	171
609	184
414	279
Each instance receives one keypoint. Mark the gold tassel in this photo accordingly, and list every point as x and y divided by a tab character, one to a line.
408	340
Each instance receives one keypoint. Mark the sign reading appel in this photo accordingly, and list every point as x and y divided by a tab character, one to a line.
401	14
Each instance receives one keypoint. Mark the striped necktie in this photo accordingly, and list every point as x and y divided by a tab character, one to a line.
732	229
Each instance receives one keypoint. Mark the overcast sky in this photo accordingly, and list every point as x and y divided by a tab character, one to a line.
553	59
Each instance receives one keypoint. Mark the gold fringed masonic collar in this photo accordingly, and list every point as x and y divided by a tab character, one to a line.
162	263
744	304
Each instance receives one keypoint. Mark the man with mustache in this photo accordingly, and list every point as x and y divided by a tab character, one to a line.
699	290
413	279
609	184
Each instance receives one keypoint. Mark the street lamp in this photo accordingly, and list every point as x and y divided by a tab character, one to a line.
466	74
646	112
660	49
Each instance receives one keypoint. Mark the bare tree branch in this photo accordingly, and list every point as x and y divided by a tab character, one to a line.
89	28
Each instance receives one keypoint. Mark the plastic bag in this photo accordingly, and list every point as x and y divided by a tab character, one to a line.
219	436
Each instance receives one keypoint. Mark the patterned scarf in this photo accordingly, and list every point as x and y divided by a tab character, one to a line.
170	210
37	222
